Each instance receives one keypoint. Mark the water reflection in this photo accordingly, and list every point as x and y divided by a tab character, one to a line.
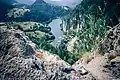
56	30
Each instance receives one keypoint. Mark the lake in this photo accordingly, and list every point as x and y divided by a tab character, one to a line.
56	30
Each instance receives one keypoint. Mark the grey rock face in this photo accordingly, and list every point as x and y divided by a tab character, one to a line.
18	60
110	48
114	67
111	44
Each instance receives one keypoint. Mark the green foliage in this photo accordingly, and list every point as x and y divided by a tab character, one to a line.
17	12
93	26
41	42
65	54
37	35
34	34
89	21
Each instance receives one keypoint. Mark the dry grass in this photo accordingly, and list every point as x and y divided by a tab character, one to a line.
40	55
87	57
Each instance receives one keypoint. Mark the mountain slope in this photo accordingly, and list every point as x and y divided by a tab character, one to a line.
8	1
40	11
4	8
89	22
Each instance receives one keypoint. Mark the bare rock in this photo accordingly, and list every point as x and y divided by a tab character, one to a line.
83	71
20	59
111	44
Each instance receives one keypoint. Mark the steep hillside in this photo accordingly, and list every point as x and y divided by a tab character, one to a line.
4	8
89	23
104	64
10	2
39	11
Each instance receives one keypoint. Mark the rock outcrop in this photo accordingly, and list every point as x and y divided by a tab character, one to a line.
110	47
20	59
106	65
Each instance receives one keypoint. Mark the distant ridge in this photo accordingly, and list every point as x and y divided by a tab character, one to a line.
37	2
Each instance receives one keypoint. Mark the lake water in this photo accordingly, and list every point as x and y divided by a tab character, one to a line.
56	30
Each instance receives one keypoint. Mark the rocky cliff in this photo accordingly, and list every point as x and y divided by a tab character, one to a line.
105	64
20	59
